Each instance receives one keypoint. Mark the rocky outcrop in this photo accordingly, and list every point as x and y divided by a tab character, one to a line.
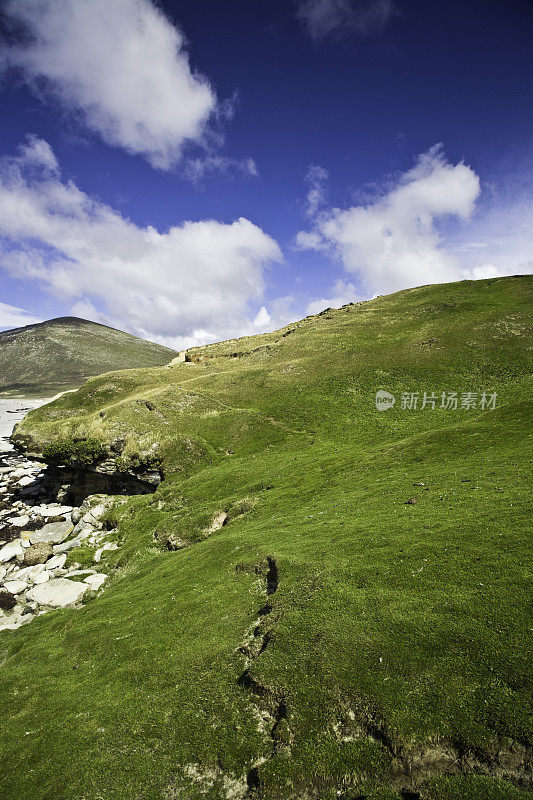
78	467
36	534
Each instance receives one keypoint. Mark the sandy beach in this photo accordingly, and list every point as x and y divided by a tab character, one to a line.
12	410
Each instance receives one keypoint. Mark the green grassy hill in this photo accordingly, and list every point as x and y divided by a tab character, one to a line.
59	354
330	640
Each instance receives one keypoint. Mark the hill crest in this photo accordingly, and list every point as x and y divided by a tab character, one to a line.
60	353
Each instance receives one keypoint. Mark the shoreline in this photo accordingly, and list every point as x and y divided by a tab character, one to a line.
12	411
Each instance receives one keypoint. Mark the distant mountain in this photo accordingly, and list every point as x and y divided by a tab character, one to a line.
59	354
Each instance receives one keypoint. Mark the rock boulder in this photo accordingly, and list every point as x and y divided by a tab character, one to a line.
11	550
7	600
58	593
53	532
37	553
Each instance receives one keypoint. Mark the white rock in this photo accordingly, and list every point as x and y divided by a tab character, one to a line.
11	550
15	587
3	571
98	510
58	593
29	574
56	562
42	577
107	546
58	511
19	522
84	532
73	573
62	548
26	481
20	574
95	581
8	624
54	532
12	623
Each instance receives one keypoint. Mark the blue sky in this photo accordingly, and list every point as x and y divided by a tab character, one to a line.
201	170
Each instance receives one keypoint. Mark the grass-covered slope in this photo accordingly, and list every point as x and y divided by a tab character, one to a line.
59	354
330	641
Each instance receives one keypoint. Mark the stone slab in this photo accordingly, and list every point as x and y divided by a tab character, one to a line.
58	593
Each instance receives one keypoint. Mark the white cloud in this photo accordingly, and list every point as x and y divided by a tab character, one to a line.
38	154
194	282
196	169
394	242
122	64
323	18
282	311
341	293
262	319
279	312
484	271
310	240
499	238
13	317
315	178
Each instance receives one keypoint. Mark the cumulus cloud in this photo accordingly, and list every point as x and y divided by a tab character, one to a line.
279	312
262	319
191	284
340	294
394	242
499	239
323	18
122	65
13	317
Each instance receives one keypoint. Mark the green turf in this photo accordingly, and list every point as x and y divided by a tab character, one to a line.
396	631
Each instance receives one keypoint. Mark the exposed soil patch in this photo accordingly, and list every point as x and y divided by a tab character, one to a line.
413	767
273	704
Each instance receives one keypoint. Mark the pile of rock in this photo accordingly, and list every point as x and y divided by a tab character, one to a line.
36	533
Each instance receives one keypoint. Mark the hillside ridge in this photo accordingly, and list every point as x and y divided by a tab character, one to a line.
314	598
60	353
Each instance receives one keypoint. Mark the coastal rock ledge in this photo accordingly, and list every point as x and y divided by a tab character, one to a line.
38	529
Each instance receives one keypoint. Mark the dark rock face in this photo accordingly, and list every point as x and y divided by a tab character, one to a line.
74	485
7	600
37	554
